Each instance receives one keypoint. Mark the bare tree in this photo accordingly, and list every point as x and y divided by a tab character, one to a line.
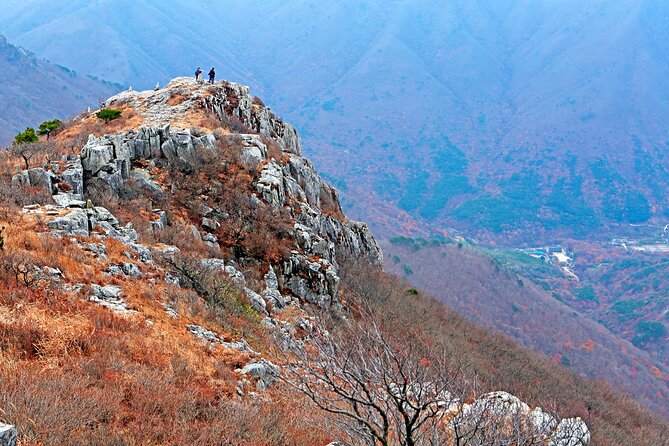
27	151
382	391
23	267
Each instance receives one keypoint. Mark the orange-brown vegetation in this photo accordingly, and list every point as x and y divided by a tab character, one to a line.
487	292
89	124
77	374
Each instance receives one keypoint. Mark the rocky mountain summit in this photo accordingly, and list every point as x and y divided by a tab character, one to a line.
193	236
106	162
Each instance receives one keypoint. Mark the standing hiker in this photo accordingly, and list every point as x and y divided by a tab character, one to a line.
212	75
198	73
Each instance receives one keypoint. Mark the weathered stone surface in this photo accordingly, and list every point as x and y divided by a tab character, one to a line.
507	409
215	338
210	224
257	302
21	179
110	297
96	154
41	179
130	269
235	100
160	222
144	253
270	184
203	333
8	435
272	294
253	149
37	178
211	240
264	372
68	200
143	181
571	432
74	222
73	176
213	264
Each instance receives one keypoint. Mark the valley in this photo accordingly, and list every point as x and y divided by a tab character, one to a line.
584	304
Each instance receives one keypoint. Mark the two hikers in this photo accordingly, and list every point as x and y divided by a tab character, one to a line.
212	75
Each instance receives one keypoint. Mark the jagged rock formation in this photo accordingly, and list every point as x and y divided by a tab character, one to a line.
506	409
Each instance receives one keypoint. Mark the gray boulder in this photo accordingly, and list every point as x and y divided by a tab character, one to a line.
110	297
8	435
73	223
144	253
67	200
21	179
256	301
161	222
210	224
41	179
264	372
571	432
97	153
73	176
272	293
147	185
270	185
204	334
130	269
37	178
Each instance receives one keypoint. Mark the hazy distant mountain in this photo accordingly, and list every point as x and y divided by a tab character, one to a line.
33	90
536	115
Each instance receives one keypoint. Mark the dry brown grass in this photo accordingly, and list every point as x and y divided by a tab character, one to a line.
74	373
92	125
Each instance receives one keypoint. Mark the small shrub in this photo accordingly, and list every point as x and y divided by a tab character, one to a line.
108	114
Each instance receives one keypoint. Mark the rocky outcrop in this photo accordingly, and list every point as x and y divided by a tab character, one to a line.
502	409
263	372
8	435
37	178
110	297
85	222
235	101
214	338
321	232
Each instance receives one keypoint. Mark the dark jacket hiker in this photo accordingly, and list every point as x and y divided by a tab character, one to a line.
212	76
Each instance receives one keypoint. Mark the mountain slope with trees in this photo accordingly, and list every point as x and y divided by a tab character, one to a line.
33	90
